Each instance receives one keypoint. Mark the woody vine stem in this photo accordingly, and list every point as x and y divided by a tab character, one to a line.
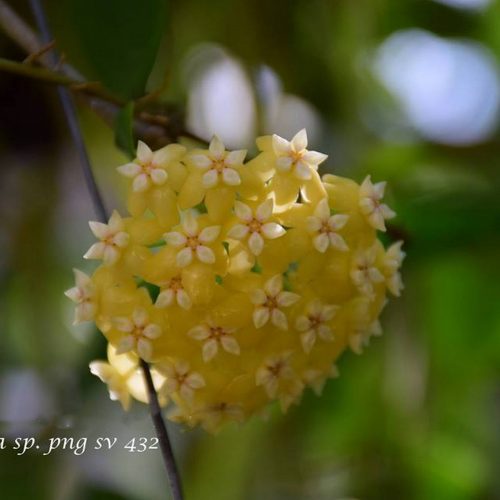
71	117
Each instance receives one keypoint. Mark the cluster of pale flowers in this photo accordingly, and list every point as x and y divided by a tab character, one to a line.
239	282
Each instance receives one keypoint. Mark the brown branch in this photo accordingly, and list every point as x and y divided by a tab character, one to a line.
156	129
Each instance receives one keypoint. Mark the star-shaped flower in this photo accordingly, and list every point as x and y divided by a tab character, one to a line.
364	273
274	369
116	382
255	226
392	262
360	337
174	291
292	156
181	379
219	165
213	337
139	333
193	242
324	227
269	302
215	415
124	378
147	169
370	196
82	295
313	323
113	239
316	379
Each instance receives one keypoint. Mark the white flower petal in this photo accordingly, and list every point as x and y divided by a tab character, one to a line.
111	255
264	210
274	285
377	220
205	254
144	349
271	230
322	210
321	242
281	146
121	239
186	393
210	178
102	370
141	183
314	158
242	211
231	177
195	381
175	239
129	169
375	275
210	349
379	189
209	234
278	319
216	148
115	223
302	171
123	324
299	141
201	161
238	232
101	231
140	317
258	296
235	158
338	242
230	344
260	316
302	323
387	212
165	298
74	294
158	176
256	243
125	344
325	332
313	224
183	299
84	312
152	331
337	221
184	257
286	299
144	153
200	332
308	340
189	223
284	163
328	312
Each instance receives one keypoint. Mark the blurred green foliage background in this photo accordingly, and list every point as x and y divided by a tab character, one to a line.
407	91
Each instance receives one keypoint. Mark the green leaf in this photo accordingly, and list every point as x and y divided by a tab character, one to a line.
257	269
151	288
119	40
124	137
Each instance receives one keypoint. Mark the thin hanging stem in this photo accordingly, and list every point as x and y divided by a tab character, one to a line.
71	117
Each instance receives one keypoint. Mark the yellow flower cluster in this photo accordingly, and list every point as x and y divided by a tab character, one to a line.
241	283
